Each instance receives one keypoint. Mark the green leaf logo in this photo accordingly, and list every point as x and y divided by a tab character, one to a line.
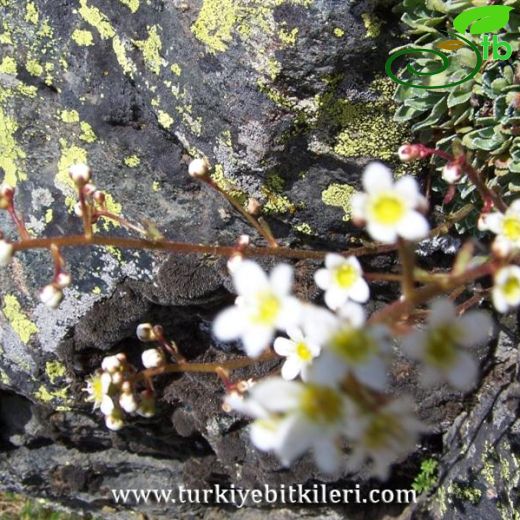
487	19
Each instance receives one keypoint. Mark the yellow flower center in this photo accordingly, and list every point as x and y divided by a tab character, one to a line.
354	345
268	307
381	429
345	275
511	228
441	346
511	289
388	209
95	389
321	404
303	352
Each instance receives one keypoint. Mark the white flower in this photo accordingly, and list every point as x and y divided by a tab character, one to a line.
342	279
384	436
114	421
263	305
295	417
6	253
98	386
350	347
299	351
107	405
80	174
111	364
51	296
390	210
506	227
441	346
506	288
153	358
452	173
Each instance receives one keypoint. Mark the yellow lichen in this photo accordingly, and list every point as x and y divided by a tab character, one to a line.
69	116
124	61
17	318
276	202
10	153
176	69
34	67
87	134
83	38
304	228
49	216
288	38
151	49
132	161
31	13
372	25
155	186
8	66
69	155
113	207
339	32
227	185
133	5
55	370
46	396
93	16
339	195
165	120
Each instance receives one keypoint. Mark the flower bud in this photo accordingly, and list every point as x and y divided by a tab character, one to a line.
51	296
199	168
234	261
153	358
452	173
145	332
409	152
107	405
114	421
99	197
111	364
501	247
254	207
127	401
89	189
78	210
80	174
63	280
147	406
6	253
6	195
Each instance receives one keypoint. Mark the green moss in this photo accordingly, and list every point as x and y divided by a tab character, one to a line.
83	38
133	5
8	66
31	13
87	133
215	22
10	153
132	161
93	16
165	120
17	318
372	25
34	67
339	195
467	493
151	49
124	61
55	370
70	116
339	32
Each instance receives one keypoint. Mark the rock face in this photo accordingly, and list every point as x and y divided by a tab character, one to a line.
287	100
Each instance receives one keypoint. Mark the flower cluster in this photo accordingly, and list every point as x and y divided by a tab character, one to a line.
114	389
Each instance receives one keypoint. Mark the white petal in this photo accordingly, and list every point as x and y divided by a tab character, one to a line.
477	326
413	226
284	346
327	369
296	438
326	455
318	323
281	279
443	311
264	434
493	222
408	187
384	234
256	340
323	278
249	278
295	333
377	177
464	374
333	260
373	374
357	205
514	207
290	314
353	314
229	324
413	345
499	300
107	405
276	395
335	297
291	368
360	291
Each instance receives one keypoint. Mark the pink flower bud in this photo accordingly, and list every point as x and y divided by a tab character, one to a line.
452	173
199	168
51	296
80	174
63	280
409	152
